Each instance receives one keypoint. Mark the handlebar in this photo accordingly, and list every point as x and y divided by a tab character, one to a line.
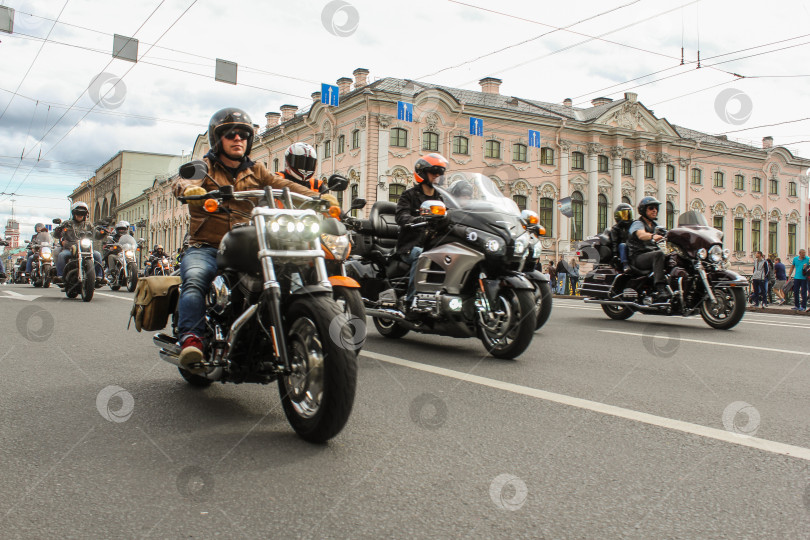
249	194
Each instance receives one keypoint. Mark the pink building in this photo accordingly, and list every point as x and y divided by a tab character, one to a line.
600	155
168	219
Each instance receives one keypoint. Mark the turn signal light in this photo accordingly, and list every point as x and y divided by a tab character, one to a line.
211	205
334	211
438	210
541	230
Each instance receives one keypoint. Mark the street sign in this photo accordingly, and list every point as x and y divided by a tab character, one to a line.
476	127
49	226
404	111
330	95
565	207
534	138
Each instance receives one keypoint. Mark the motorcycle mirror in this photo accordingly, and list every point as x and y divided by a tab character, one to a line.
193	170
337	182
56	221
357	204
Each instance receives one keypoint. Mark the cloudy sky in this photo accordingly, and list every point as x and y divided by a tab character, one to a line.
61	117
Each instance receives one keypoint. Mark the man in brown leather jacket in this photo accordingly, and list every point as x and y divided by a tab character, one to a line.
230	135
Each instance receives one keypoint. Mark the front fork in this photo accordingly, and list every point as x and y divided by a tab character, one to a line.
705	280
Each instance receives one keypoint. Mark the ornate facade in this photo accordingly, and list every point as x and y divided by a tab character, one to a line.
168	220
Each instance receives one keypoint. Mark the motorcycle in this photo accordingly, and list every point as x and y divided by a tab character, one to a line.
260	327
41	265
80	271
158	266
468	278
695	275
533	267
21	277
121	267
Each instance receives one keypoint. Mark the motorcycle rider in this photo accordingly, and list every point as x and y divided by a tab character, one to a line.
461	190
426	171
300	161
121	228
230	136
620	232
68	235
644	251
154	258
34	241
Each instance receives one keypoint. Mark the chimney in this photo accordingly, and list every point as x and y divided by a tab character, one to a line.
255	129
723	137
600	101
632	97
345	84
490	85
272	119
767	142
287	112
568	102
316	97
360	77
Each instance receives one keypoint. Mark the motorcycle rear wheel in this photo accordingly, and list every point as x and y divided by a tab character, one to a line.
618	313
543	301
520	325
390	329
196	381
318	396
728	311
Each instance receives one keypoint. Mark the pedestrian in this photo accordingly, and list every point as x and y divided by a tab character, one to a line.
781	279
771	277
552	275
562	275
574	270
799	281
760	279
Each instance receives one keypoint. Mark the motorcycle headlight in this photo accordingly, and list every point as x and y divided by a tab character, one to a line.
493	245
537	250
309	227
45	253
702	253
86	243
283	226
716	254
129	254
521	243
338	245
726	253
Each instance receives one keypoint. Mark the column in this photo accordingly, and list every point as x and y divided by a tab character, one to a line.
616	154
682	186
640	157
663	160
593	190
564	231
802	182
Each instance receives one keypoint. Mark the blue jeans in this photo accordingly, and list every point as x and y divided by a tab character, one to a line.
28	262
61	261
760	292
198	270
800	285
623	253
412	258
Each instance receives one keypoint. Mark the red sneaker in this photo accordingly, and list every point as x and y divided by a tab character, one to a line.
191	352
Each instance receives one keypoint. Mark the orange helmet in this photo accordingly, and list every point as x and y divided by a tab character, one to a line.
431	163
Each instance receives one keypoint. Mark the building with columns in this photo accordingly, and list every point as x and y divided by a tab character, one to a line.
600	155
168	220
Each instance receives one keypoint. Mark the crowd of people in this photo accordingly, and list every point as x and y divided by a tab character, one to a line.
772	283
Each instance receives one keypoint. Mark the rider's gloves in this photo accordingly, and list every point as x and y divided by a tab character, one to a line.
194	191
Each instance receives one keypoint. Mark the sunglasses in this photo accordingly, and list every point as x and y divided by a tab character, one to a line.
243	134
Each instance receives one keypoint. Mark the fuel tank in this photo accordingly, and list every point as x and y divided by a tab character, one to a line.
239	251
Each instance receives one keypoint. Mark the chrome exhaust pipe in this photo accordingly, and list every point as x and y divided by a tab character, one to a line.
170	352
239	323
621	303
169	357
386	314
167	342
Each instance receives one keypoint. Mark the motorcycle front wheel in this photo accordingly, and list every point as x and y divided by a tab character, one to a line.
512	333
319	393
88	287
727	311
46	276
132	282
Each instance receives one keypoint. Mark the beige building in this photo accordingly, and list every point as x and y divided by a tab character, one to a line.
168	219
85	193
136	212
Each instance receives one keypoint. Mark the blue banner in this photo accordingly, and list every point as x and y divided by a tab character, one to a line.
476	127
404	111
330	95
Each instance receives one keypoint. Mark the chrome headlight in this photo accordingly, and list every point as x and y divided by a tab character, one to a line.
45	253
337	244
537	250
521	243
726	253
702	253
716	254
129	254
493	245
310	227
86	243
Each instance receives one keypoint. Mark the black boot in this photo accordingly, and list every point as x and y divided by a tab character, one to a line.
662	293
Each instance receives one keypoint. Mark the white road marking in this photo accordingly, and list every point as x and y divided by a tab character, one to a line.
17	296
610	410
128	299
718	343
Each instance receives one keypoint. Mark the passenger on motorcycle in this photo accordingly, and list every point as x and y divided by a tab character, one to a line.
411	240
645	253
69	230
300	161
230	136
620	232
461	190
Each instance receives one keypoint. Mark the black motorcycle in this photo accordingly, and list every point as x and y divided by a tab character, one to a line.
468	279
80	271
121	268
270	315
533	268
694	266
41	265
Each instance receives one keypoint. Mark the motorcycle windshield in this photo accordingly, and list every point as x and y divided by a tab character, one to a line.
692	218
474	192
127	242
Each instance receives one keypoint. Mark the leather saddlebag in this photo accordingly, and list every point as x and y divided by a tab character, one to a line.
155	300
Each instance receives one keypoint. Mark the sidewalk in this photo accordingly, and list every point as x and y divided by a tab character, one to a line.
772	308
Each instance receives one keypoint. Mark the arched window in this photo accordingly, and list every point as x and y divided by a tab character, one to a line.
603	214
576	219
97	213
492	149
394	192
113	203
520	200
546	214
519	152
355	191
670	215
627	200
430	141
105	210
399	137
461	145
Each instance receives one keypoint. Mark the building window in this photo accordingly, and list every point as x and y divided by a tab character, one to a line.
670	173
756	185
773	245
756	236
354	190
341	144
492	149
577	161
718	223
719	181
546	156
519	152
603	164
355	139
627	167
394	192
649	170
773	186
626	200
430	141
327	149
791	239
547	214
576	219
339	197
461	145
602	222
275	165
697	176
670	215
520	200
399	137
738	234
739	182
791	190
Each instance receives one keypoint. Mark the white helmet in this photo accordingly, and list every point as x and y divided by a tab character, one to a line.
300	160
79	207
122	225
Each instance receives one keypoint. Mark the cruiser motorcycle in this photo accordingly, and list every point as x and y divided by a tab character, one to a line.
122	268
80	271
468	279
270	315
41	265
695	274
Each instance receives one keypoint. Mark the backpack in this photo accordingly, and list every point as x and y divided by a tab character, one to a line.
155	299
806	270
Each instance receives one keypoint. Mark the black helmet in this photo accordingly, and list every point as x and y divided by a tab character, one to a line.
645	203
461	188
224	121
623	213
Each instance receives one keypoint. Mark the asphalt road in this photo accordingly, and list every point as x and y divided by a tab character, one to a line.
645	428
